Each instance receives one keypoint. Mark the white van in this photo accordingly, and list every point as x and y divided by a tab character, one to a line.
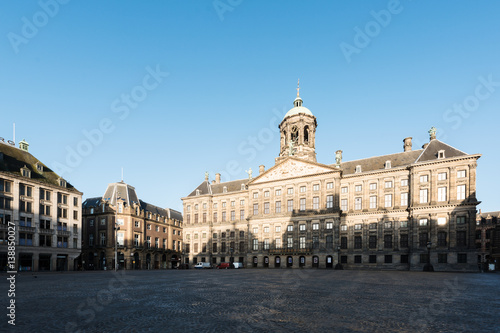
202	265
237	264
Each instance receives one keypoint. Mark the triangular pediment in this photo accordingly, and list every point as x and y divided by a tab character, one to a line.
293	168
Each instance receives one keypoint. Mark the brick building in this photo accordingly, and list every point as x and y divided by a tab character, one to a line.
146	236
488	239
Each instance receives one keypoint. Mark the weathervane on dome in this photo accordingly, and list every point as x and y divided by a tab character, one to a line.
298	88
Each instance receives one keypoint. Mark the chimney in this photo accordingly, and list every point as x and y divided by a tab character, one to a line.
407	144
213	182
261	169
217	178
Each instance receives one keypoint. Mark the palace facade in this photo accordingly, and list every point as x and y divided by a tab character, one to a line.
137	234
41	209
398	211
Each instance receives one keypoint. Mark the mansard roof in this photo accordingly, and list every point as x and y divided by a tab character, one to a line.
120	191
13	159
206	188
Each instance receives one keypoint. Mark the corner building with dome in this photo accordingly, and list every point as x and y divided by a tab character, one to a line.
399	211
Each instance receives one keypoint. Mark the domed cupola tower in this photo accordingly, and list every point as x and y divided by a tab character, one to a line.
298	130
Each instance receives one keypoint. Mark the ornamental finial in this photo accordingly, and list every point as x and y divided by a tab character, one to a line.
298	88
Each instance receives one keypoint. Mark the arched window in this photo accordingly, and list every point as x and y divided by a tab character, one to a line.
306	135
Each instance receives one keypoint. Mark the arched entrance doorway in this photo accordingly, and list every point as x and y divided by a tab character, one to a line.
302	261
315	263
255	261
277	262
266	261
137	261
157	261
289	261
148	261
329	262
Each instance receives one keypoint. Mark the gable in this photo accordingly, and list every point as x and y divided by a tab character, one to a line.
292	168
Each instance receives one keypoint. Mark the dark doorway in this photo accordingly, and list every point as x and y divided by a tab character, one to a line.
266	262
329	262
277	262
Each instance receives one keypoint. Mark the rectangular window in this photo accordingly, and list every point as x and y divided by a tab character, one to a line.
372	259
461	238
442	194
462	258
424	179
357	242
278	207
315	202
329	242
343	204
373	226
242	247
373	201
423	238
329	225
266	230
266	244
358	188
214	247
422	222
302	242
315	242
302	189
357	259
289	243
442	258
289	190
224	204
372	242
315	226
460	192
388	259
404	199
373	186
242	215
343	242
266	194
290	205
278	192
223	247
442	238
233	215
329	185
255	230
404	182
329	201
277	241
388	184
255	195
242	202
388	200
215	217
460	219
233	203
343	227
302	227
255	209
242	234
289	228
224	216
388	225
195	218
441	220
403	240
423	196
388	241
316	187
302	206
344	189
358	226
277	228
404	259
461	174
357	204
442	176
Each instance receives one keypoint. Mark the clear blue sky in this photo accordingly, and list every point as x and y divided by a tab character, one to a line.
232	72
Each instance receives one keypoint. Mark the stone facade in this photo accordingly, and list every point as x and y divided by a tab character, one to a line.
43	208
384	212
147	237
488	239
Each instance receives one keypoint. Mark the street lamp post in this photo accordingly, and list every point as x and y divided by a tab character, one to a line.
116	246
339	265
428	267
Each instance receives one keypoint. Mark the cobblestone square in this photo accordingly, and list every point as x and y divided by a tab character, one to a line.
255	300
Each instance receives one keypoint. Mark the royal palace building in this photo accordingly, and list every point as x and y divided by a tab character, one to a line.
399	211
40	210
122	231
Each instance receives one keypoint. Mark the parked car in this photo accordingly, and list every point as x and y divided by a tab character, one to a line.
237	264
202	265
224	265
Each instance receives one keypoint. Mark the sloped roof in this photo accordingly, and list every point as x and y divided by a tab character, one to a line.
13	159
174	214
92	202
153	209
121	191
378	162
488	214
204	188
431	151
231	186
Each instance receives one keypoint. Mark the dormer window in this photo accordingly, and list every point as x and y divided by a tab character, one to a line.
197	192
387	164
242	187
39	167
441	154
62	182
25	172
224	189
358	168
